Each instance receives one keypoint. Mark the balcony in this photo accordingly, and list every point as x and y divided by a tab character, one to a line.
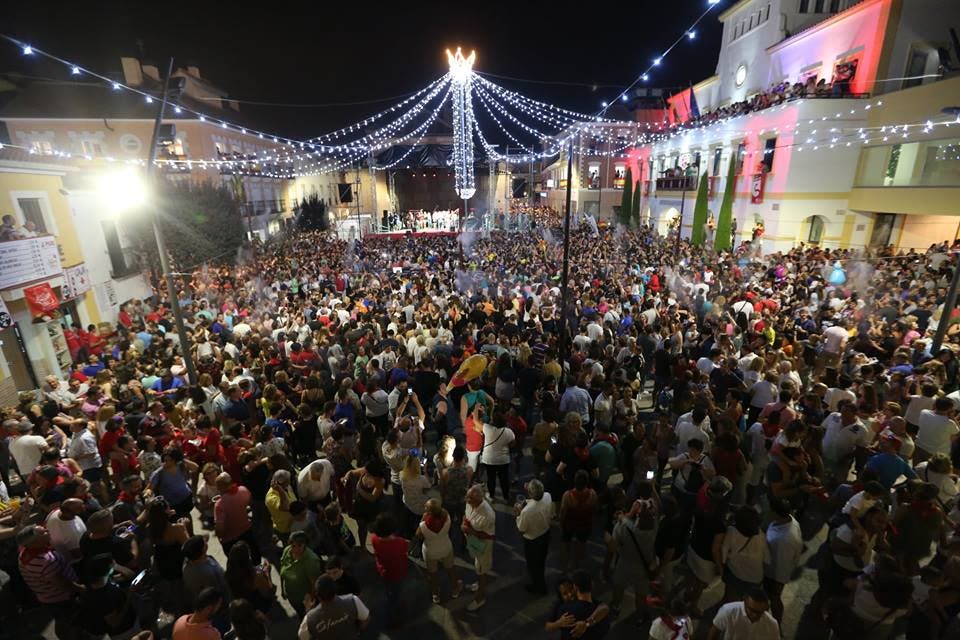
263	207
683	183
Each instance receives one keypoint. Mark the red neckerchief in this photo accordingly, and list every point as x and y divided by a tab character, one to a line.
434	524
673	625
27	554
582	452
123	496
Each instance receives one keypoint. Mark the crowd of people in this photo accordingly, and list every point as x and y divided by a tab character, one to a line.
811	87
411	403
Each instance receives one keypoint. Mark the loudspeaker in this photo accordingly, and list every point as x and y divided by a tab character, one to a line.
345	190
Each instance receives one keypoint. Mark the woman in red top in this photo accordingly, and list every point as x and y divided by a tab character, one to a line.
93	340
728	459
390	552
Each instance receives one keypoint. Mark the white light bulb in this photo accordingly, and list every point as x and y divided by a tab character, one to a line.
27	50
656	62
148	99
177	110
691	34
75	71
645	77
203	119
116	86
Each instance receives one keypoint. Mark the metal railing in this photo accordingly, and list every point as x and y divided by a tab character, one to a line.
687	183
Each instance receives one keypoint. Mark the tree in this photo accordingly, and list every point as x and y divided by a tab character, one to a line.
626	202
635	212
723	240
700	211
312	214
200	223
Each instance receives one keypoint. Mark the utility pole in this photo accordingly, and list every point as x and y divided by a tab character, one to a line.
359	230
948	306
566	268
162	245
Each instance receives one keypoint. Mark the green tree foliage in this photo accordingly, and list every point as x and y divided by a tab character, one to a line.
635	212
200	223
722	241
626	201
700	211
312	214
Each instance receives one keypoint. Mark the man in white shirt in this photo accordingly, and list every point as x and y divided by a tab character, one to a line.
83	448
707	364
533	523
313	482
479	525
937	430
693	425
785	544
746	620
25	447
843	434
66	528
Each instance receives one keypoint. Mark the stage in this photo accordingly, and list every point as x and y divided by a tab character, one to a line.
403	233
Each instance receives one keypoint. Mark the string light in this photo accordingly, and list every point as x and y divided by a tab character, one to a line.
75	70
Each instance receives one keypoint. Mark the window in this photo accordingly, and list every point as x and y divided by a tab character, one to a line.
892	163
30	208
769	149
92	148
716	161
916	65
754	18
834	6
882	229
43	147
816	230
741	154
818	6
766	12
594	175
804	6
118	262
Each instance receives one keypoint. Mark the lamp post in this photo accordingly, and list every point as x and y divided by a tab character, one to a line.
161	244
566	266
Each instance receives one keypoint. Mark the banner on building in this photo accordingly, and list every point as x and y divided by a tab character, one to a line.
106	295
41	299
28	260
757	184
76	281
6	320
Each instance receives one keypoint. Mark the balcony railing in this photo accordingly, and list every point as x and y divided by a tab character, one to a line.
263	207
683	183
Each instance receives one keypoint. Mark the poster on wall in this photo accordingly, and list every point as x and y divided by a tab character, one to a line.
59	343
106	295
757	183
76	281
41	299
6	320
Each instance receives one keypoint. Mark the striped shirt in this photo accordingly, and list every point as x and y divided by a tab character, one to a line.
40	573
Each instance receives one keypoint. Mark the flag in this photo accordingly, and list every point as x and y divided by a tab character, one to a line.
694	109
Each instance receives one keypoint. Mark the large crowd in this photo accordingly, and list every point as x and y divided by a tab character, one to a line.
410	403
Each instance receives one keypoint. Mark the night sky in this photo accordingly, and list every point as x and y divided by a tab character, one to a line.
356	51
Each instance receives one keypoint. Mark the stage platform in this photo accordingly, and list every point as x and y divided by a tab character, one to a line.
403	233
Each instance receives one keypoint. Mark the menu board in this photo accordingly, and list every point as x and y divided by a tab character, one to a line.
76	281
28	260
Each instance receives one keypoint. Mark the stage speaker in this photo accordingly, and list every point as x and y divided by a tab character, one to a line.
345	191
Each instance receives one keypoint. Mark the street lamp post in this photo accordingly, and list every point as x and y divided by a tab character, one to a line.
162	245
566	265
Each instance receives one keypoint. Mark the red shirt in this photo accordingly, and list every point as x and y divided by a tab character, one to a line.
391	556
124	318
212	450
108	442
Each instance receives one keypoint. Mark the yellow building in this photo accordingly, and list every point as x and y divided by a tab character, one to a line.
63	249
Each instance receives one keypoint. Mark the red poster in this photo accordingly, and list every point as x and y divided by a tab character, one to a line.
758	182
41	299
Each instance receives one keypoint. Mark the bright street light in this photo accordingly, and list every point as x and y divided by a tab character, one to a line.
122	190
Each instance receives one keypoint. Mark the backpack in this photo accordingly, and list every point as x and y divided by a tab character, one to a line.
695	478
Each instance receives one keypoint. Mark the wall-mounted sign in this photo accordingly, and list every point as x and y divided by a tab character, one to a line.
41	299
757	183
28	260
76	281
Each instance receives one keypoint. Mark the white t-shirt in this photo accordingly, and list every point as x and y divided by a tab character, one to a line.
764	393
935	432
660	631
744	556
81	444
732	620
65	534
496	445
26	451
860	502
840	441
313	490
915	406
845	534
833	338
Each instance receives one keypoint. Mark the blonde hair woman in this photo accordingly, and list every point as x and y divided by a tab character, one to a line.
415	486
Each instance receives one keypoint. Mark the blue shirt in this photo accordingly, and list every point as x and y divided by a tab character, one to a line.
889	467
146	338
93	369
280	428
175	383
